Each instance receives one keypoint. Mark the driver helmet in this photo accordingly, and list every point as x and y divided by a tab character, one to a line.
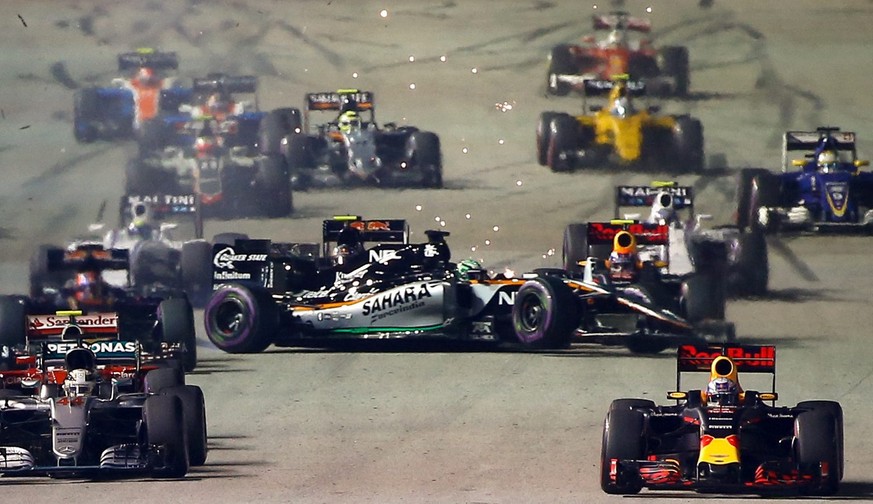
663	211
218	103
827	160
145	76
623	258
617	38
349	120
349	104
140	223
466	266
722	391
79	383
348	246
88	287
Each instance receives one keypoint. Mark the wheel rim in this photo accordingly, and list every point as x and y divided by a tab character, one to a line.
229	319
531	313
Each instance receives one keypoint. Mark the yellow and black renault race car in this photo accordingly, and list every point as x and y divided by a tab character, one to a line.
619	134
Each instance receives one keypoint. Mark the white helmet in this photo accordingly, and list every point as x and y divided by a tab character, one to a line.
827	159
79	383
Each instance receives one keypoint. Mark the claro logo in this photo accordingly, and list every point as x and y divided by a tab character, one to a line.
225	258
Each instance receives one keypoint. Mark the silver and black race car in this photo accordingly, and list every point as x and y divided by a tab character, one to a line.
723	439
286	293
78	401
351	148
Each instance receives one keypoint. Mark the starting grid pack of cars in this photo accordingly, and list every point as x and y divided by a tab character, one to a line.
94	356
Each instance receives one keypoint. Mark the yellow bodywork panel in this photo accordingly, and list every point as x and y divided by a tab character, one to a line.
623	134
719	451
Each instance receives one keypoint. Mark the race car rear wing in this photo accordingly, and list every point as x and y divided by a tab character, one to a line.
147	58
621	20
603	233
88	256
599	87
163	207
747	359
226	83
373	230
644	196
810	140
333	100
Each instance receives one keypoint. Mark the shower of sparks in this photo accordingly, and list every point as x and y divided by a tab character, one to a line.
383	13
412	86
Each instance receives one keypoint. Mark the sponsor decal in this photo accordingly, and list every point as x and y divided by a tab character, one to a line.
645	233
225	258
506	298
382	255
231	275
743	357
164	199
430	250
96	320
101	347
370	225
643	191
396	298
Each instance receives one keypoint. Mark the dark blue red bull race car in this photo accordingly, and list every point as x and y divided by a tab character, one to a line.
829	193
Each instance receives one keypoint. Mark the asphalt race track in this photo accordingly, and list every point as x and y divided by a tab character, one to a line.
404	423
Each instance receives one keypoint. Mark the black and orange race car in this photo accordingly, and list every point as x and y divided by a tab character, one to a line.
621	51
723	439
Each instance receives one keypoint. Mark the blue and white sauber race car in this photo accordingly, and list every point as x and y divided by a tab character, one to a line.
287	293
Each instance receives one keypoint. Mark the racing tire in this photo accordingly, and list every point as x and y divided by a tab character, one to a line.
675	64
41	274
543	136
623	439
176	317
750	274
560	63
240	319
153	137
816	442
545	313
228	239
153	262
301	152
164	419
13	321
86	103
194	409
703	297
162	378
563	135
426	155
835	409
765	193
195	264
275	126
274	184
688	144
745	217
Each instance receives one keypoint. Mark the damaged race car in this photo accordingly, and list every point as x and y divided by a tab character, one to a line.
664	71
618	133
351	148
79	401
289	293
688	247
211	149
723	439
829	194
159	317
120	110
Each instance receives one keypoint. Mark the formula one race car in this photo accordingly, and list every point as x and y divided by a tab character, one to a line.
211	149
829	194
619	134
351	148
78	401
686	248
158	316
274	293
723	439
119	111
664	71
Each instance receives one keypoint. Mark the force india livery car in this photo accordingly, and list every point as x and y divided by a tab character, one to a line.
78	401
829	193
736	445
284	293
